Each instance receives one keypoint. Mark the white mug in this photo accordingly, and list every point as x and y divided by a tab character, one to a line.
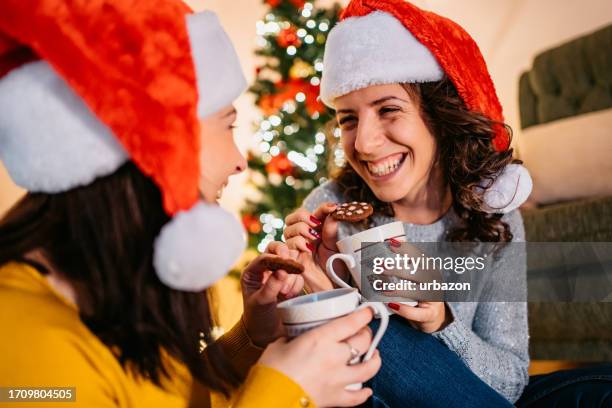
304	313
350	251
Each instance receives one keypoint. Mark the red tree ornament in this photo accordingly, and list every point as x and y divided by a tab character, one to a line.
286	90
297	3
251	223
280	164
287	37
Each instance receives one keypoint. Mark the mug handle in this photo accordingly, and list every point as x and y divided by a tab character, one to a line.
329	267
380	311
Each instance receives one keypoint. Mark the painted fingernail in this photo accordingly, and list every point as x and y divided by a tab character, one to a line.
394	242
310	246
315	233
394	306
315	220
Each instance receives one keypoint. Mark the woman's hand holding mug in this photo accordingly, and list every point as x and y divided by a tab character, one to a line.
318	360
427	315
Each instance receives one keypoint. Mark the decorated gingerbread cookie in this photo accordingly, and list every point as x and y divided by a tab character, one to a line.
353	212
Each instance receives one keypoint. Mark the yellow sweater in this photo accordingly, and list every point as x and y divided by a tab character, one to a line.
45	344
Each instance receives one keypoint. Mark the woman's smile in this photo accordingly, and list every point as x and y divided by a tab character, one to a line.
385	168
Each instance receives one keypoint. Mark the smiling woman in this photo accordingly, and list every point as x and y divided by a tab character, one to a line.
423	133
418	143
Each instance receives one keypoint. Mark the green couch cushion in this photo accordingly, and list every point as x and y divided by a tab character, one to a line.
588	220
568	80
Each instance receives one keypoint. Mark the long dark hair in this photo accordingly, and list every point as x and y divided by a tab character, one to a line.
465	153
100	237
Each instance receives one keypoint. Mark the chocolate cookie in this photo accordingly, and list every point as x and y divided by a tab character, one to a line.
275	263
353	212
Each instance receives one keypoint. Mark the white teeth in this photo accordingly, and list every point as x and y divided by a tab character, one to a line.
384	168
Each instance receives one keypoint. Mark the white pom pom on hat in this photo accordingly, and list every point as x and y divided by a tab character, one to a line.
64	124
393	41
205	231
508	191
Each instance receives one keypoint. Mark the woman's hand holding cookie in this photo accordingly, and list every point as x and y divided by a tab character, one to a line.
306	230
311	233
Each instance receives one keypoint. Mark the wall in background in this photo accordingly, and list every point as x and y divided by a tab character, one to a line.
509	32
531	27
9	192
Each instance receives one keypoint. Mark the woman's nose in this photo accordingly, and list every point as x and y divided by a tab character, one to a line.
369	136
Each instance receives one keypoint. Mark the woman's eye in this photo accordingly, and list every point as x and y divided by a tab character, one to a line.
347	120
388	110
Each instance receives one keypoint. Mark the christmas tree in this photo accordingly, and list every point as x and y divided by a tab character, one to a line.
290	158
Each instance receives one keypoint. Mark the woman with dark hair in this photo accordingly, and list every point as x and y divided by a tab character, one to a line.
117	118
425	143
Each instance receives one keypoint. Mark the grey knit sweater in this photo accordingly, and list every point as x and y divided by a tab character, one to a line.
491	338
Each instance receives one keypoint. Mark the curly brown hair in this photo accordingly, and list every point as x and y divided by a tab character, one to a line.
465	152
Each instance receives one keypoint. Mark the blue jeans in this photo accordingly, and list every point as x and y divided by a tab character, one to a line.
419	371
582	387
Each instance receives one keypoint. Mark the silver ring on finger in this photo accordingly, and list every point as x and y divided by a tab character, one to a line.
354	358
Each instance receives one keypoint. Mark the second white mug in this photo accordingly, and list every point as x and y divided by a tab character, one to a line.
304	313
350	251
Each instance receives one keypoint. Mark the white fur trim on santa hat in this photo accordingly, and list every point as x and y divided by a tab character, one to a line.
49	139
198	247
219	75
370	50
510	189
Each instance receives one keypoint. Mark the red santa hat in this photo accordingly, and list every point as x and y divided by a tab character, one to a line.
393	41
87	85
